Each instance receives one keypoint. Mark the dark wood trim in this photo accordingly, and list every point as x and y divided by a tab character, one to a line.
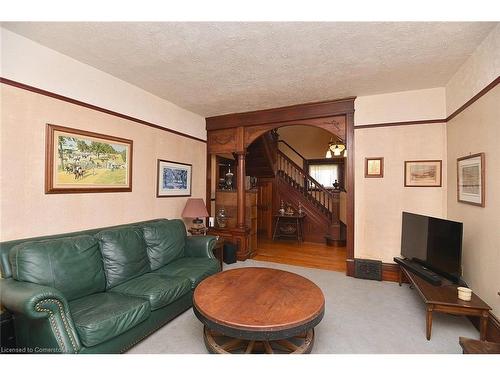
483	180
390	272
474	98
402	123
379	175
158	182
241	191
208	188
95	108
281	114
423	161
50	159
349	187
350	269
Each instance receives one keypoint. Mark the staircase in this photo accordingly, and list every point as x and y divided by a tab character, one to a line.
310	189
261	158
293	185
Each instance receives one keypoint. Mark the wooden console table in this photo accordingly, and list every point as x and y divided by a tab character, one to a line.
444	298
292	223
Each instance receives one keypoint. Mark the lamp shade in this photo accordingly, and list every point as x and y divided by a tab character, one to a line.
195	207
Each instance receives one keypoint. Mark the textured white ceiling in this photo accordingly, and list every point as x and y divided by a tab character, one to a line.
217	68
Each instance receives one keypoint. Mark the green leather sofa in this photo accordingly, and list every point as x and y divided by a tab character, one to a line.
101	290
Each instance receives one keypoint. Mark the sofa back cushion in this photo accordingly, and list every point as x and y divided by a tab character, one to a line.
124	254
72	265
165	241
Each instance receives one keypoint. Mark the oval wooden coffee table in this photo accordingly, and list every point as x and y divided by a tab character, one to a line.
258	310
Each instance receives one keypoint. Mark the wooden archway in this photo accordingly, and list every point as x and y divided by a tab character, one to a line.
233	133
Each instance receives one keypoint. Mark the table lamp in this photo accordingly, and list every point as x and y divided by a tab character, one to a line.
195	208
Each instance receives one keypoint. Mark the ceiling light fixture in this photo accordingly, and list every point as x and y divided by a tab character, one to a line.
335	149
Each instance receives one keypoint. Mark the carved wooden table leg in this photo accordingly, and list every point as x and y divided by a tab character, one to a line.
483	326
429	321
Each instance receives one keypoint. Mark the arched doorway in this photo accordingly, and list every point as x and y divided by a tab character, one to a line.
234	133
290	170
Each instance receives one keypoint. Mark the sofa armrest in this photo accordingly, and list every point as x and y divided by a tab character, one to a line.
200	246
33	301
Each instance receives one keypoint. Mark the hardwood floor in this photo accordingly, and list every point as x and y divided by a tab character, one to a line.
306	254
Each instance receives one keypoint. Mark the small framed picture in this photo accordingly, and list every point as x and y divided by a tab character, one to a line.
173	180
374	167
470	179
423	173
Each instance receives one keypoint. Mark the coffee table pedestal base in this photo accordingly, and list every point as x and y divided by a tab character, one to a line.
217	343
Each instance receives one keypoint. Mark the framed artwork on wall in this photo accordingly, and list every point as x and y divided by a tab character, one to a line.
374	167
79	161
423	173
173	179
471	179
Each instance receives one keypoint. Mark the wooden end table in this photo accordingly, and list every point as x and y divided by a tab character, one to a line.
444	298
258	310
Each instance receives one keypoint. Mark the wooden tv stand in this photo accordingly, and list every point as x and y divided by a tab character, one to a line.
444	298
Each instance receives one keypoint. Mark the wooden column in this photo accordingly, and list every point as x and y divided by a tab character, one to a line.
208	192
241	190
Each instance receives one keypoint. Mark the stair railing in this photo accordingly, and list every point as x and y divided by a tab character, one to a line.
308	186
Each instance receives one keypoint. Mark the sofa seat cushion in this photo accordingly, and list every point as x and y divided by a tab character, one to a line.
195	269
102	316
159	290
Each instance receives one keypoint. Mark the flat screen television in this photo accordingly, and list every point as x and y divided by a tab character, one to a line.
434	243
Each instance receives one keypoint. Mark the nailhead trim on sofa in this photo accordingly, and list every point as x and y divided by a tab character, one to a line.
53	322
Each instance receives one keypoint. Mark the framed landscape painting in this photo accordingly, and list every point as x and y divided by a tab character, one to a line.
470	179
423	173
78	161
174	179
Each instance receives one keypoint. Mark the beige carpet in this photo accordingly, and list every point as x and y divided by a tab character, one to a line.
361	316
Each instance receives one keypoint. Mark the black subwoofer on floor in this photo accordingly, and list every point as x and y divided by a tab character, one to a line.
230	253
368	269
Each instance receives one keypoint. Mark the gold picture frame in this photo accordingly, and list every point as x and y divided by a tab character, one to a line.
79	161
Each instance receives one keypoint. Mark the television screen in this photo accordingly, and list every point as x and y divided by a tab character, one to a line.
435	243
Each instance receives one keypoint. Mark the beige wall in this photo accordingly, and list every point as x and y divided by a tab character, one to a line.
25	61
478	71
477	129
27	211
309	141
414	105
379	202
